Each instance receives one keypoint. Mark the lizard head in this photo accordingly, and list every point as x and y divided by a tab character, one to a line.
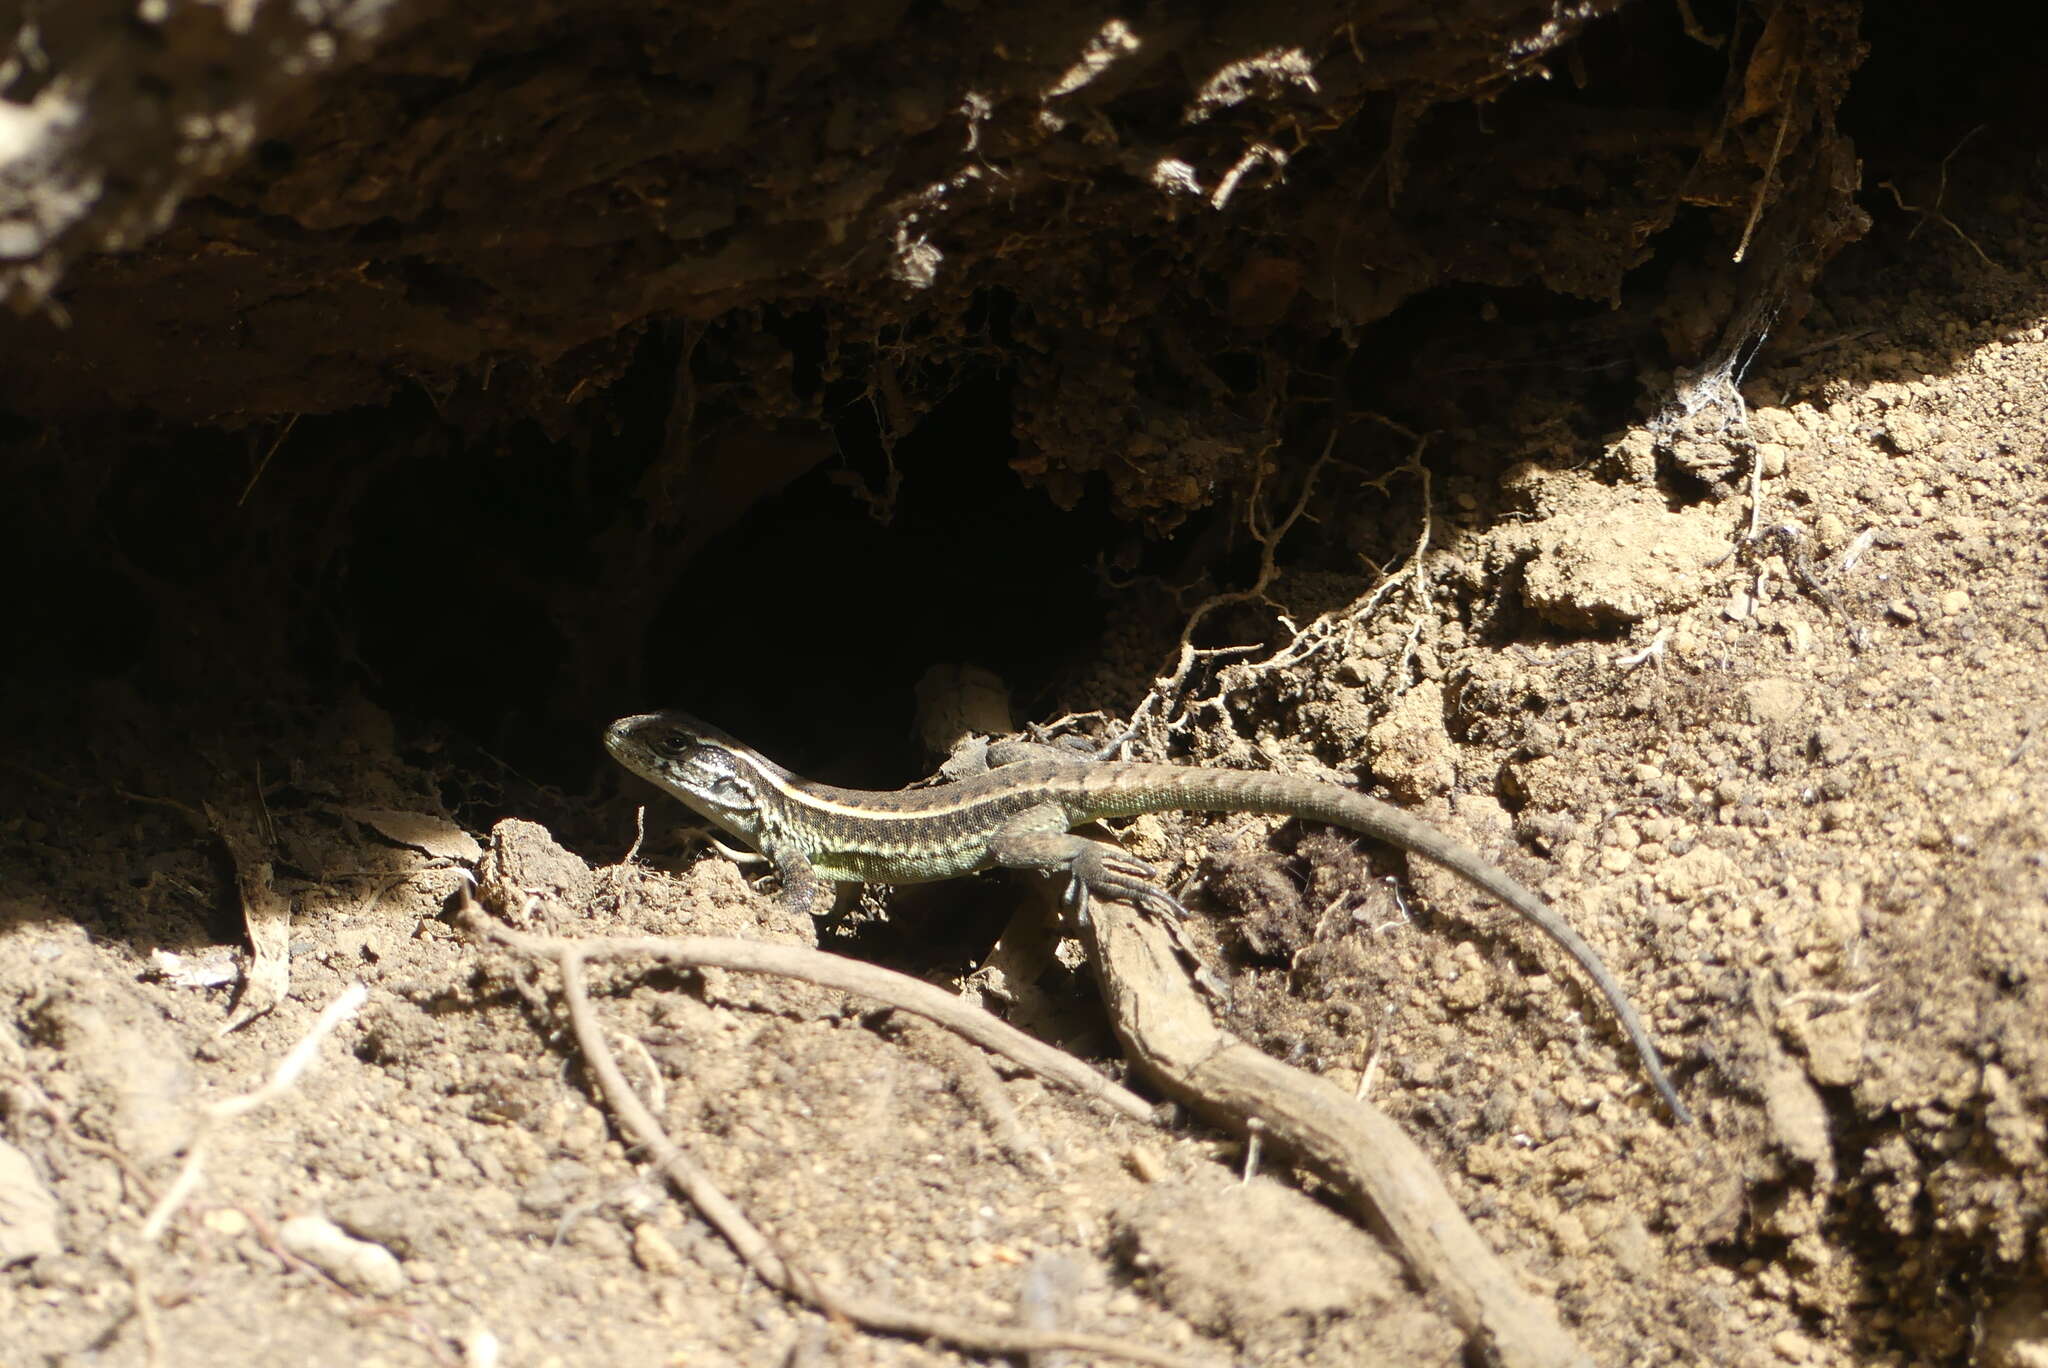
717	776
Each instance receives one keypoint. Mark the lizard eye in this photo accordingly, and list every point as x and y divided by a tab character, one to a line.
672	743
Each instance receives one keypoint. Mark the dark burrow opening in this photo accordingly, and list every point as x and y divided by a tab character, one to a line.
501	587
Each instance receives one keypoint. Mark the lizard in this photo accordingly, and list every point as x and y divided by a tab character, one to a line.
1019	813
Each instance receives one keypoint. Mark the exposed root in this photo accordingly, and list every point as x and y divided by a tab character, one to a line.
756	1248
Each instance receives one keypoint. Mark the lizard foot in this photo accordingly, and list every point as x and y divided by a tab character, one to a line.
1102	870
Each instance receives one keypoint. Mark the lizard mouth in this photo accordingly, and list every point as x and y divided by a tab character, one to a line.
618	736
627	743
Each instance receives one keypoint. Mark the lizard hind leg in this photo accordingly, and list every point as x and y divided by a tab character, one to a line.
1038	839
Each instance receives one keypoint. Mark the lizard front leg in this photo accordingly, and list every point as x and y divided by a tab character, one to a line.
1037	838
802	889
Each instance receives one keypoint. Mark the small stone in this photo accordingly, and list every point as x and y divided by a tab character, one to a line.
227	1222
1908	431
1792	1346
1472	984
1834	1046
1697	872
1771	700
358	1265
1145	1164
481	1349
653	1252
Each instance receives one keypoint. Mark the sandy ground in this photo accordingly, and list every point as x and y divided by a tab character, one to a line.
1781	764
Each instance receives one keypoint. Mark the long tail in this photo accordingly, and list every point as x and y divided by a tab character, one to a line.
1173	787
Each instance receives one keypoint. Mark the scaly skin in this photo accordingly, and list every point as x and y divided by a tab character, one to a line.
1021	816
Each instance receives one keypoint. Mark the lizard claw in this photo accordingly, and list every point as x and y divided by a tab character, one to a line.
1104	871
1076	899
1163	904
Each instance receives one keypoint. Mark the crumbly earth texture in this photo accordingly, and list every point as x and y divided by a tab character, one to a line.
1783	765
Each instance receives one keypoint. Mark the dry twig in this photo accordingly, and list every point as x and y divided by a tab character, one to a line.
1304	642
1933	211
827	971
217	1114
755	1247
1167	1030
